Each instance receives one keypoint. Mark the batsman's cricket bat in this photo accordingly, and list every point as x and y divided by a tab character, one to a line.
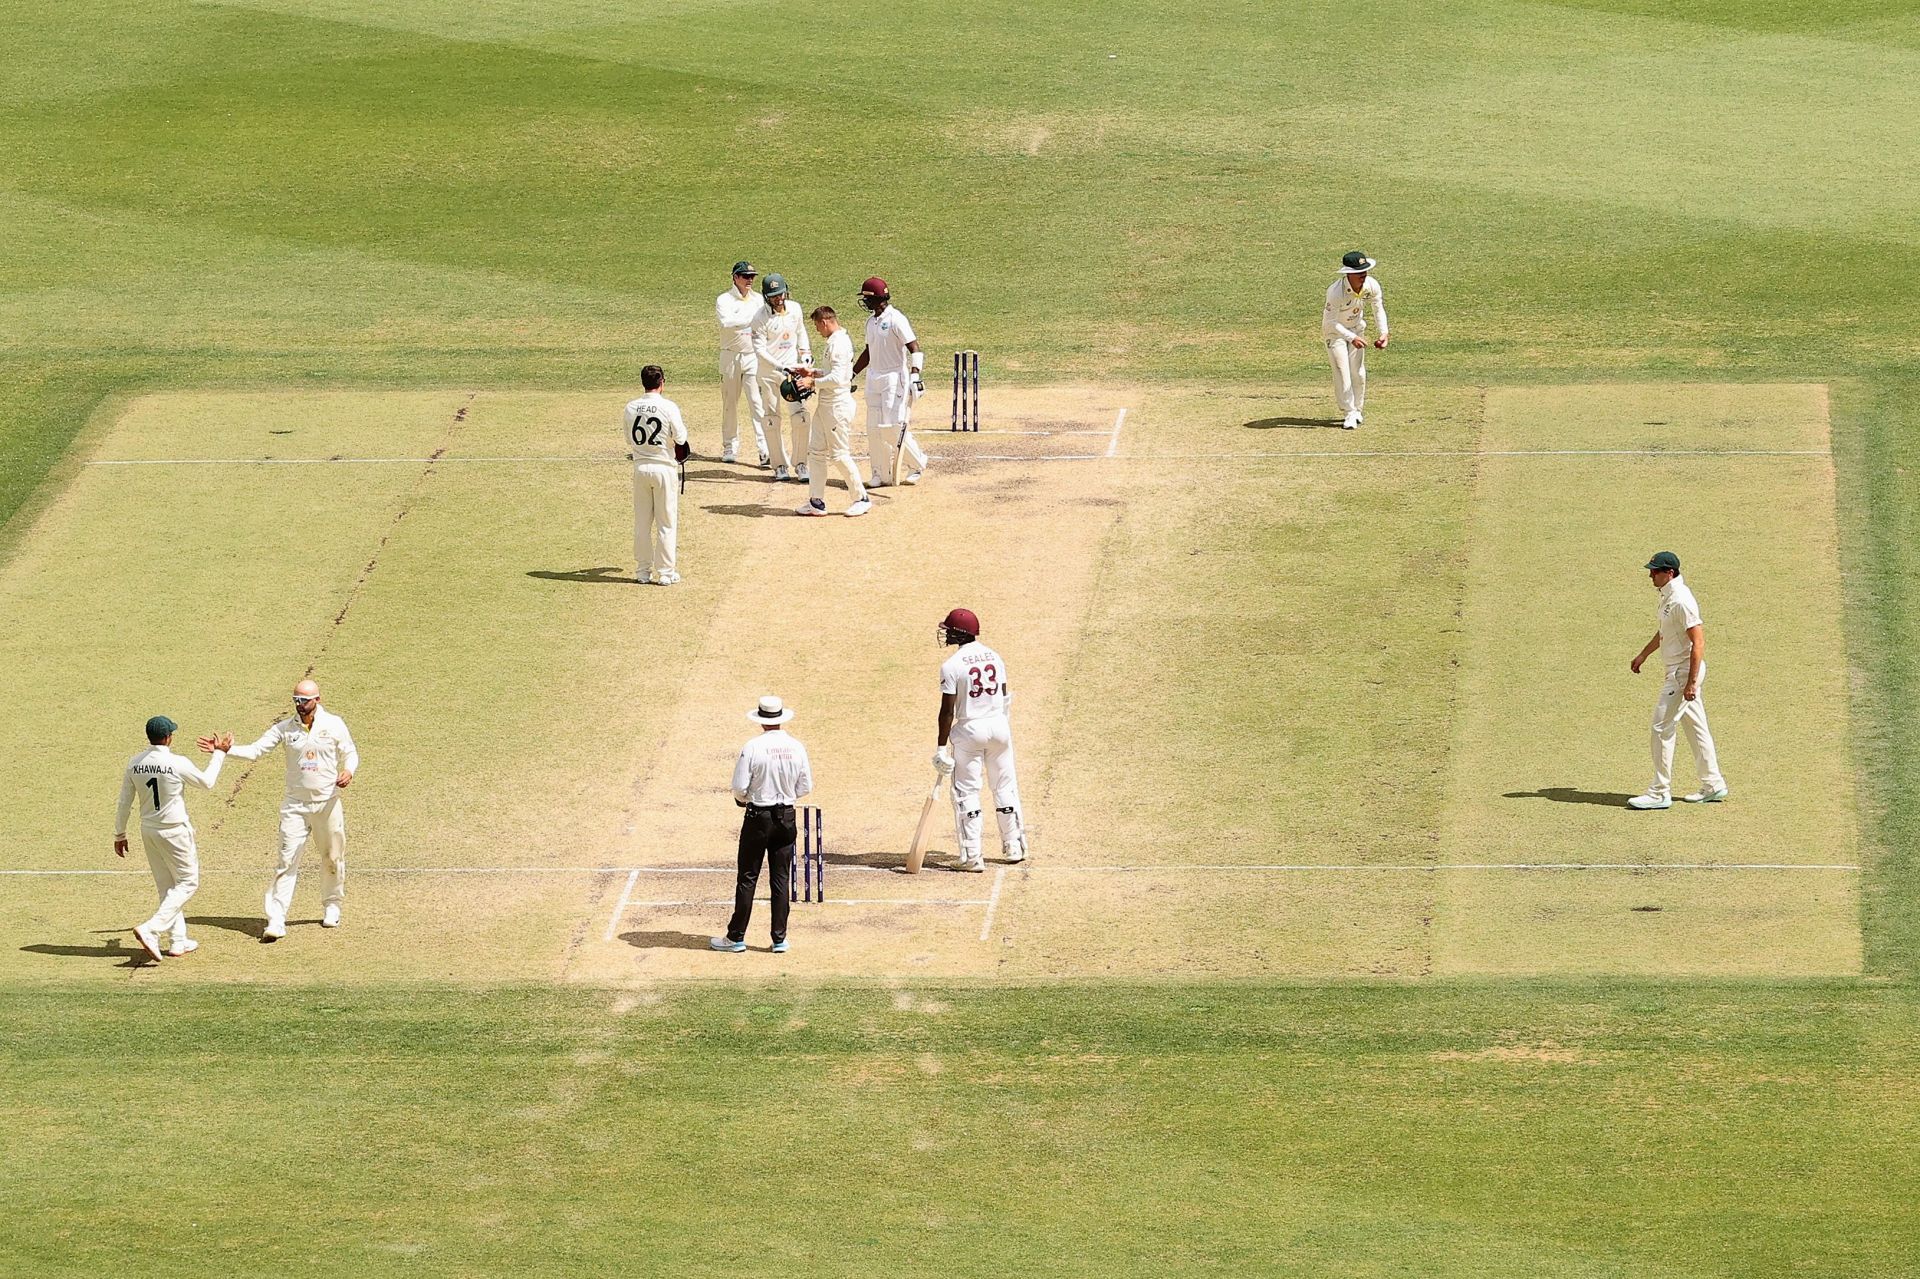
918	852
900	457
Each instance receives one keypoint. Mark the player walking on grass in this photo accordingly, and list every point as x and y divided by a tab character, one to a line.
657	438
893	364
737	311
321	762
1681	641
974	730
770	777
1343	323
781	344
832	418
156	779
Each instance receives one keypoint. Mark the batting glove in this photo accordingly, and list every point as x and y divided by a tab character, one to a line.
943	762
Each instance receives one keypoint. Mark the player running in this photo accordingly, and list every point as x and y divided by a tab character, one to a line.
974	729
657	436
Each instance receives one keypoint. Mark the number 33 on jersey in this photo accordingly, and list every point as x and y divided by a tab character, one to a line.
654	426
977	678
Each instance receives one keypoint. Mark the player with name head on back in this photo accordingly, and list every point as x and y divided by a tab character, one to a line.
737	311
321	763
156	780
974	729
832	418
893	363
781	344
1343	326
657	443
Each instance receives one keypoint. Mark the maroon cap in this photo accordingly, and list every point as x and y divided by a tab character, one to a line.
962	619
874	285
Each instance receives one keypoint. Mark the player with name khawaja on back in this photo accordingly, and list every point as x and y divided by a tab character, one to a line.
975	730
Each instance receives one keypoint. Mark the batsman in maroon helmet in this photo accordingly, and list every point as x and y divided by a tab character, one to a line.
975	732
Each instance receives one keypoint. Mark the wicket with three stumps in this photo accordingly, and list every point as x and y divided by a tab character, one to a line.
966	391
808	880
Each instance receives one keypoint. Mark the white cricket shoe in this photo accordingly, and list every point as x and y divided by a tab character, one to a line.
1359	418
644	577
727	944
665	579
274	931
860	508
148	942
912	477
1645	802
875	482
781	472
330	917
800	473
974	865
730	453
813	507
185	946
1350	421
1016	854
765	456
1705	796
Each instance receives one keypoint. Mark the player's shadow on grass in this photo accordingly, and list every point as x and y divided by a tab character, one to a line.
752	510
606	573
134	956
245	925
1296	423
665	941
1569	795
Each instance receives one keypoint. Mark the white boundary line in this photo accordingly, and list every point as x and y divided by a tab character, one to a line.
993	898
1112	454
634	872
620	908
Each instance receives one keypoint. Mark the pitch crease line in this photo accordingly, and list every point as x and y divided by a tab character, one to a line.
993	898
620	907
1113	443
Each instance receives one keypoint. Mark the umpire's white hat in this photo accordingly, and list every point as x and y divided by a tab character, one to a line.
770	711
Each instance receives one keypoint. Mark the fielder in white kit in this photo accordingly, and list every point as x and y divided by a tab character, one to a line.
737	311
893	363
657	443
781	344
832	418
321	762
1681	641
156	779
974	730
1343	324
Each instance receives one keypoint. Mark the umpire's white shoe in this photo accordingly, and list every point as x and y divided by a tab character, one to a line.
148	942
274	931
1350	421
330	917
185	946
727	944
1645	802
813	507
1705	796
860	508
780	947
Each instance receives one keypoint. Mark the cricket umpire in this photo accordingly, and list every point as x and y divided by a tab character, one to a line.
771	775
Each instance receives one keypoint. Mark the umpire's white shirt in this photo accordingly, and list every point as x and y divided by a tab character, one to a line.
1679	612
1345	315
736	316
163	803
315	757
772	769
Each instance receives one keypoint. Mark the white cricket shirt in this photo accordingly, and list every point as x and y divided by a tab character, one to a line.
654	426
1678	611
1345	313
836	379
156	779
887	336
977	678
772	769
736	316
315	755
780	340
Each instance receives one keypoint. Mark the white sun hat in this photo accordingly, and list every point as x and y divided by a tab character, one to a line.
1356	261
770	711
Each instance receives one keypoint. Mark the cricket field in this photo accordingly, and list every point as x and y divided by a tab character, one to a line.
1338	953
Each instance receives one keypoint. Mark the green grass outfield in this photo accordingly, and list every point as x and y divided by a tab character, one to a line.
292	196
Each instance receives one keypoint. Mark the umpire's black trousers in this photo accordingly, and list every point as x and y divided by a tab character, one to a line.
766	834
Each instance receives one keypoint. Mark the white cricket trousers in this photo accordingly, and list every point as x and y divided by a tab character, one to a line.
975	742
656	516
739	372
792	450
1674	713
176	876
325	825
829	441
1349	375
889	409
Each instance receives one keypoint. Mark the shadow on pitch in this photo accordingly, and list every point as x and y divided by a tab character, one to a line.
1568	795
1295	423
245	925
665	941
607	573
134	957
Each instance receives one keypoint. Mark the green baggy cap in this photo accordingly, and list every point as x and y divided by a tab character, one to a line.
159	729
1665	560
